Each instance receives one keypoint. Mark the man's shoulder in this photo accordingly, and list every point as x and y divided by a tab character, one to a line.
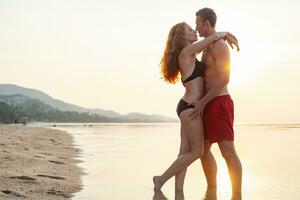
220	47
220	44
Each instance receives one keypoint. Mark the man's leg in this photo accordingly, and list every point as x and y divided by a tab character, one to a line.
210	169
234	167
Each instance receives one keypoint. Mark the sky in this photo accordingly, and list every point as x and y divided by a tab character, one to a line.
106	53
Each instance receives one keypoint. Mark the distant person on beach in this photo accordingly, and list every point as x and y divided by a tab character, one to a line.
179	59
216	108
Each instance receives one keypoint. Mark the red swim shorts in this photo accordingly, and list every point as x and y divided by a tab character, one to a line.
218	119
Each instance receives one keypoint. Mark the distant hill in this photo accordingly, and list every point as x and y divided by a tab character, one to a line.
25	102
19	96
9	89
19	108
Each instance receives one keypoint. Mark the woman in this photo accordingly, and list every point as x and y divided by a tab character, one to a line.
180	59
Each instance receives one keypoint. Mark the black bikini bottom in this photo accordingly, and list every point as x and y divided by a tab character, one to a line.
183	105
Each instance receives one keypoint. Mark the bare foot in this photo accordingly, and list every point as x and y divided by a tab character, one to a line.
157	183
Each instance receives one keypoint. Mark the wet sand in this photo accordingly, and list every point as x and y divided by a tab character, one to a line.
37	163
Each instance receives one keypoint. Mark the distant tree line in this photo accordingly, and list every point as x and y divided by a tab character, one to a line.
10	114
22	109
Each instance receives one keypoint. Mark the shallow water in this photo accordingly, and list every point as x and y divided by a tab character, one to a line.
120	160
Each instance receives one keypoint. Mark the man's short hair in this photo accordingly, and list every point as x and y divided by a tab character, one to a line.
207	14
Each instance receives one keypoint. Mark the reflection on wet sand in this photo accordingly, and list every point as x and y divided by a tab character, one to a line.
179	195
212	195
159	195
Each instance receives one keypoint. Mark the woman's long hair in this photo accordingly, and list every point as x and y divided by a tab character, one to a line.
169	62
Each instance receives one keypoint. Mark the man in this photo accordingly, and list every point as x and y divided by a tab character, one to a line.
216	108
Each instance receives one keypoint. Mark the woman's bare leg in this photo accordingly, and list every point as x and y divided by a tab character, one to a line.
195	136
184	148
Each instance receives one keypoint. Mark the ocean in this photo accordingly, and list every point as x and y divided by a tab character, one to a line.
119	161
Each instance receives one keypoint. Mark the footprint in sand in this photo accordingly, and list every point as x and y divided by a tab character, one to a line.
60	193
12	193
56	162
48	154
38	156
52	140
25	178
53	177
8	158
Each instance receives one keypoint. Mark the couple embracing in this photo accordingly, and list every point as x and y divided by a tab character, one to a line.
206	110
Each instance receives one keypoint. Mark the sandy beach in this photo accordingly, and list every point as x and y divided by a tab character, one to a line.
37	163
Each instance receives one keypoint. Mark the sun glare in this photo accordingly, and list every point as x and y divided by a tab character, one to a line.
246	63
224	185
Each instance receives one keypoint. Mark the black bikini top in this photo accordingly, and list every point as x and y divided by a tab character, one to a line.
198	71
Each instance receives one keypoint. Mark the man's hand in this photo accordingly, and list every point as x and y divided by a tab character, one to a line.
198	110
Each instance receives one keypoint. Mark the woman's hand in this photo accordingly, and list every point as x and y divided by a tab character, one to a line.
231	40
221	35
